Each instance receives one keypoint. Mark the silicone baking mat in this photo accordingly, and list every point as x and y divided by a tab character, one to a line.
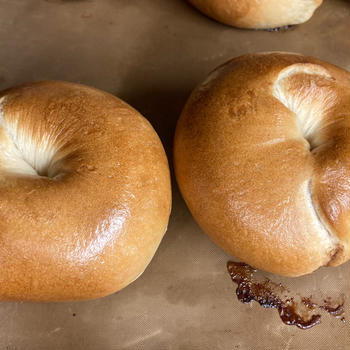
152	53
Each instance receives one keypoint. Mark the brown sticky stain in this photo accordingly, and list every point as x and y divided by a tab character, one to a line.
272	295
336	311
282	29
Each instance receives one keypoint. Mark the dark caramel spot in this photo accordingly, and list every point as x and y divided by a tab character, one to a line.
269	295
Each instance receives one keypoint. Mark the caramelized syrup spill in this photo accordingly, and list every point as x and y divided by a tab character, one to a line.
280	29
268	295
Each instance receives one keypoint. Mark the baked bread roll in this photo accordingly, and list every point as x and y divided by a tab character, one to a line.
262	158
84	193
258	14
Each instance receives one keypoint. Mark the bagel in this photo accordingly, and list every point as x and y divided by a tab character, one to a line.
258	14
262	159
84	193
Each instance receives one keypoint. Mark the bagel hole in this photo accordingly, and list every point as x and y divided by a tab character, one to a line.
306	90
45	172
307	121
39	161
308	129
24	153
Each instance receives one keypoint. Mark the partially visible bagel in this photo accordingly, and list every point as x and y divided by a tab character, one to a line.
258	14
262	158
84	192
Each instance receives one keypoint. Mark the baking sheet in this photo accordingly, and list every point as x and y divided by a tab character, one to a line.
152	53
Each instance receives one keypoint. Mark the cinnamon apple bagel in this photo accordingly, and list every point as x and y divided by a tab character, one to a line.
84	192
262	158
258	14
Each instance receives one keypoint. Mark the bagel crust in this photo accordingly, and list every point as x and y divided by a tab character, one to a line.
258	14
262	158
85	193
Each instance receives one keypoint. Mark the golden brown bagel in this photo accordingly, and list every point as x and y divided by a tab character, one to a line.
84	192
258	14
262	159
